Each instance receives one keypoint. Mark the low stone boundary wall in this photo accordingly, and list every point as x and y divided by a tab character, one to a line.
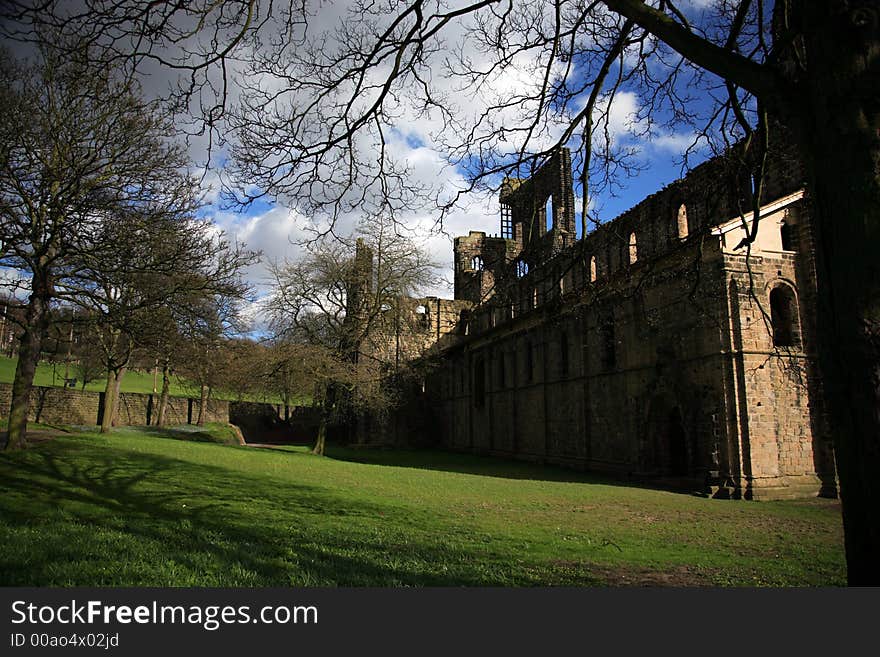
69	406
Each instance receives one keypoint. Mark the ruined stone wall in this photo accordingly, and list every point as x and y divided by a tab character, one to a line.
640	349
583	378
412	327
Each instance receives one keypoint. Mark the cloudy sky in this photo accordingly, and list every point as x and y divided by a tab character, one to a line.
274	227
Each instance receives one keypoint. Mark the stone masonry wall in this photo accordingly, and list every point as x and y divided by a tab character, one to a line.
67	406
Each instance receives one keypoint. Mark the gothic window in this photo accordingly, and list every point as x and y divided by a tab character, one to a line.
477	263
522	268
593	270
633	249
535	298
783	316
682	222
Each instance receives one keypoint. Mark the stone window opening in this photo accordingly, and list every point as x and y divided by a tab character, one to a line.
783	317
593	270
422	316
548	213
682	222
522	268
477	263
786	234
535	298
633	249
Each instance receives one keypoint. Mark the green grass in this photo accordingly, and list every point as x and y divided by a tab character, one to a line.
132	381
137	509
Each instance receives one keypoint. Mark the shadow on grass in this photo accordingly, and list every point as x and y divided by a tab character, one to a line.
191	433
89	515
494	466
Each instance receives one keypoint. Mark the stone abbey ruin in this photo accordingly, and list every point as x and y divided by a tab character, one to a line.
661	346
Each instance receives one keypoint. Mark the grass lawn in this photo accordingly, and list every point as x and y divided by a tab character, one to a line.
140	509
133	381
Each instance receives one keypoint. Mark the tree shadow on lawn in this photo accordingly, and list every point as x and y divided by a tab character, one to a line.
496	466
171	522
190	432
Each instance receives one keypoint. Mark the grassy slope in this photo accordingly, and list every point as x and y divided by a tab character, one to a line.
136	509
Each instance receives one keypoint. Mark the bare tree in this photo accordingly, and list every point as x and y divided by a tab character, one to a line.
336	310
152	267
205	328
79	148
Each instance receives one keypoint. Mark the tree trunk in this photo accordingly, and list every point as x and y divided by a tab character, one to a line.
36	317
327	408
109	402
111	398
117	385
841	136
203	406
322	436
163	399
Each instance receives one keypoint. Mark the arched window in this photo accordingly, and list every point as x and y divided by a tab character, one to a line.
784	317
786	233
593	271
477	263
682	222
522	268
548	213
633	249
535	298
